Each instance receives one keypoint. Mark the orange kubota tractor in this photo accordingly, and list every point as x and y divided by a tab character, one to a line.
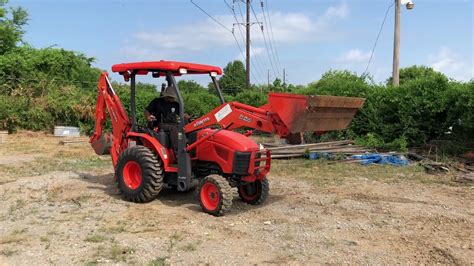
210	154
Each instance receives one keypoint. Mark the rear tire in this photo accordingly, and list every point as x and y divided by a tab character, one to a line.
139	174
215	195
254	193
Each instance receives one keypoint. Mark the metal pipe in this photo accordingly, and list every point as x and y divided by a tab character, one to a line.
183	158
218	88
250	108
132	103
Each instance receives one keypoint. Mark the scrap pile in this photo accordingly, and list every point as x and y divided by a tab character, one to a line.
463	171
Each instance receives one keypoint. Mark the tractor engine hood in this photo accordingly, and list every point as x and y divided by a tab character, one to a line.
232	140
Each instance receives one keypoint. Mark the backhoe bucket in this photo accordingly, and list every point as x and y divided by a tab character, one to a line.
103	144
301	113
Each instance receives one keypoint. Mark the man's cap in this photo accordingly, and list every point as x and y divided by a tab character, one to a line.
170	92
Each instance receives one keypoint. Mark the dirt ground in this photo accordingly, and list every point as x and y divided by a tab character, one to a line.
60	206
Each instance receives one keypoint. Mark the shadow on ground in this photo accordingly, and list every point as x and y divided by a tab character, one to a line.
170	196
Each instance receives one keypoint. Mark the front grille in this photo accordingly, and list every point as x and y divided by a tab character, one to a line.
258	155
241	163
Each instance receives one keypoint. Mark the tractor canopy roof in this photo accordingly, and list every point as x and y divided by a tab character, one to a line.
158	68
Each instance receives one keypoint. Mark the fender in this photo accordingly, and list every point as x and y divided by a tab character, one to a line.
155	146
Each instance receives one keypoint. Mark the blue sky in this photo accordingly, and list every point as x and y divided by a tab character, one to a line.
311	36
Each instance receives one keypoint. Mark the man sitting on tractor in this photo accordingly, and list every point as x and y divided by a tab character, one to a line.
164	112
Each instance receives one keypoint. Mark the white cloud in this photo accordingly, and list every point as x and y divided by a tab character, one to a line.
341	11
354	55
206	34
448	62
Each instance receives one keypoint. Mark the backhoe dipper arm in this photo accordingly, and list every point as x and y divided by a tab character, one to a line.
108	102
235	115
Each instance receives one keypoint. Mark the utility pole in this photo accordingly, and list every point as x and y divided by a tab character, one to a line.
284	77
268	78
247	25
396	46
248	44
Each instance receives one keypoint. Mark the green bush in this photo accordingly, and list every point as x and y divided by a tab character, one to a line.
32	72
200	103
252	97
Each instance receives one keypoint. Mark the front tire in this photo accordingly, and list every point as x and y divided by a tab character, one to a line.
215	195
139	174
254	193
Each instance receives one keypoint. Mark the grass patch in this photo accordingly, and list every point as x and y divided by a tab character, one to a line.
95	238
115	252
328	243
44	165
119	227
174	239
190	246
8	252
161	261
322	173
15	237
19	203
120	253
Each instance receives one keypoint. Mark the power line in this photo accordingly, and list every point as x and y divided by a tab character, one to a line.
266	45
256	18
269	37
268	50
377	39
243	40
222	25
242	36
209	15
257	59
273	37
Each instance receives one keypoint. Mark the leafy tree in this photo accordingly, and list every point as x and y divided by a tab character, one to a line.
30	72
418	72
189	86
233	80
460	114
339	83
278	86
12	21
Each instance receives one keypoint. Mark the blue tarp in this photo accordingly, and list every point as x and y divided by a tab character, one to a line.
380	159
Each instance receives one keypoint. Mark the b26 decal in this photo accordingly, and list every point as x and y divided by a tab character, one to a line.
245	118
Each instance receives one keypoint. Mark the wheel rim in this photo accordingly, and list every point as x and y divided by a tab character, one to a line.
132	175
210	196
249	191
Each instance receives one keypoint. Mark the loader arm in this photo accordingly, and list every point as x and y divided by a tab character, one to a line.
234	115
108	102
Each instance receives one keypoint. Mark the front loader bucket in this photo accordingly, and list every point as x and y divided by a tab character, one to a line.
302	113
